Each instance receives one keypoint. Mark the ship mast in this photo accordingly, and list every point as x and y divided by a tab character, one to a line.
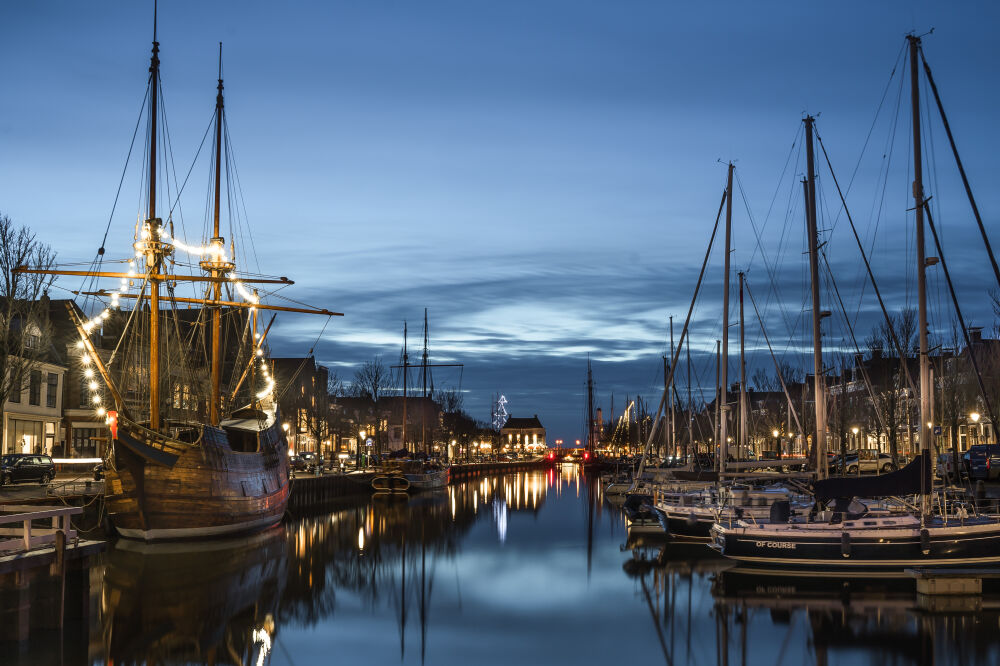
819	392
214	404
154	254
918	203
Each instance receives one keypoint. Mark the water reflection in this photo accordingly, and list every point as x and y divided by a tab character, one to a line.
533	568
215	602
759	618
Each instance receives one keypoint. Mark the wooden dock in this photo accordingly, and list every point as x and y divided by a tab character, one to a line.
26	540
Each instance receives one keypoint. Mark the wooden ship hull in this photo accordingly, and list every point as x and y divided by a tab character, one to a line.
164	488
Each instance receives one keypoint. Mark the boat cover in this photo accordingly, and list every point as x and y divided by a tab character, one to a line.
912	479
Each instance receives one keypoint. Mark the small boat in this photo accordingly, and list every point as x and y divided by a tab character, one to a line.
641	515
426	475
618	484
390	482
692	513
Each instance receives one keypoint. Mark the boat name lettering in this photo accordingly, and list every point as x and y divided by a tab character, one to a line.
775	544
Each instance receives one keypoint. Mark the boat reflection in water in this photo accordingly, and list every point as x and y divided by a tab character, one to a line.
214	601
801	620
225	601
883	619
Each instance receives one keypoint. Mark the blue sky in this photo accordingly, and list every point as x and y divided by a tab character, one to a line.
541	175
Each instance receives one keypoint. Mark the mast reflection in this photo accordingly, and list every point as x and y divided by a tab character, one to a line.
227	600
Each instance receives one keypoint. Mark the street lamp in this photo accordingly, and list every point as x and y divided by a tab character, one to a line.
777	442
975	420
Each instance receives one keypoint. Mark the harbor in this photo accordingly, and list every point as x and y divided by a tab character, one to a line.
499	336
438	578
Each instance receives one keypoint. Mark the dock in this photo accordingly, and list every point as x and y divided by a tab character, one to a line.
24	543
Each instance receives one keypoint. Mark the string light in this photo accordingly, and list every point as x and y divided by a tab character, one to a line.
269	381
216	253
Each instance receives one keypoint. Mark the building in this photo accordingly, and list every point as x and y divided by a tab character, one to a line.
522	434
32	413
304	404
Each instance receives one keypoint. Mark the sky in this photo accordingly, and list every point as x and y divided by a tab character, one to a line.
543	177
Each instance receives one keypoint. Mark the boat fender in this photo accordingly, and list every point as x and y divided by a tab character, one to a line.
925	541
692	520
845	544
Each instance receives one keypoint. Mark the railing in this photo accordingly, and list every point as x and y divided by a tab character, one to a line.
27	536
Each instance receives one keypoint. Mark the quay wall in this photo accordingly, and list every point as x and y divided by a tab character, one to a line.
310	491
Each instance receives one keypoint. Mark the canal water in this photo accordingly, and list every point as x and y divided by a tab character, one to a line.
529	568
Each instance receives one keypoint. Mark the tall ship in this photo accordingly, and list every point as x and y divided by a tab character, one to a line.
187	456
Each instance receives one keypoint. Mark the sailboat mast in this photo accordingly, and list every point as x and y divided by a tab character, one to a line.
743	375
723	379
406	364
671	395
819	392
718	393
423	403
918	203
590	408
690	409
155	255
214	405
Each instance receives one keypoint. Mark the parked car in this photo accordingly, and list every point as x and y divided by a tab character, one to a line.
984	461
868	461
18	467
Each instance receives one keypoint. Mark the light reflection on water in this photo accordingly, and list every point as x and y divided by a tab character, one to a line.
531	568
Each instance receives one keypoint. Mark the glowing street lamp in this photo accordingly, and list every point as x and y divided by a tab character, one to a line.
357	449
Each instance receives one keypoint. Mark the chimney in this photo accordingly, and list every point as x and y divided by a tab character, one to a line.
975	334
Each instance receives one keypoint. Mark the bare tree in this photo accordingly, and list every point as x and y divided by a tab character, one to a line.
25	334
888	377
372	381
335	385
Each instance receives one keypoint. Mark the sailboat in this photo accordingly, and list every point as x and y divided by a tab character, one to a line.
688	505
196	474
423	474
842	532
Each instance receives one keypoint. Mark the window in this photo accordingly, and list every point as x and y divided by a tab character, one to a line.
52	391
35	388
84	392
84	442
15	392
24	436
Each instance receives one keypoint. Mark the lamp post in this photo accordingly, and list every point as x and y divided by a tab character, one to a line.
777	442
974	430
857	444
361	438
